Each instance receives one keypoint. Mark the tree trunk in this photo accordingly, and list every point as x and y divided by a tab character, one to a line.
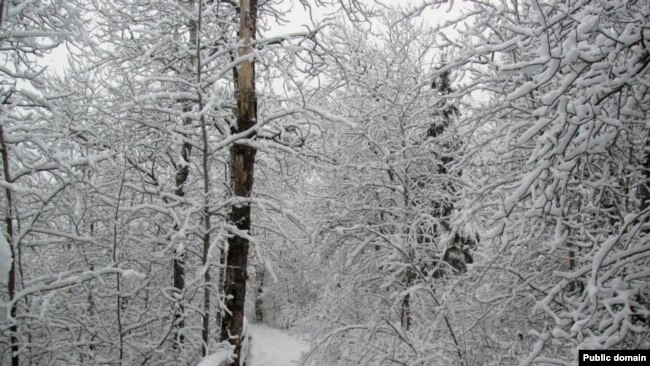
645	185
259	308
182	175
179	256
405	316
242	163
11	285
195	30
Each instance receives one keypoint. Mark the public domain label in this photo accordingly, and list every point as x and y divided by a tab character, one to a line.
614	357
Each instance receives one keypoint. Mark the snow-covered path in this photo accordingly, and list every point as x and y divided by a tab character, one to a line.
273	347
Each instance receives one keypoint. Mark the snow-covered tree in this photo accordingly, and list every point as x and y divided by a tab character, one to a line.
561	143
386	219
43	165
425	191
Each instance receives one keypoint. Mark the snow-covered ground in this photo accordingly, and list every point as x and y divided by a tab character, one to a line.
216	359
273	347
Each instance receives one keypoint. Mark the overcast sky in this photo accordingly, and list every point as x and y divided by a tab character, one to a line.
298	17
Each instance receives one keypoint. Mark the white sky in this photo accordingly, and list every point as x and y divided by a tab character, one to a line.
298	17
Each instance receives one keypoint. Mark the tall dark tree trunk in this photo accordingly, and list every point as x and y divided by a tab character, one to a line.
182	175
645	185
120	304
11	281
179	256
9	224
207	224
259	308
242	163
644	189
406	318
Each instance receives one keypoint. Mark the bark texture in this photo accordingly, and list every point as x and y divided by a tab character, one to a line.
179	257
11	281
242	164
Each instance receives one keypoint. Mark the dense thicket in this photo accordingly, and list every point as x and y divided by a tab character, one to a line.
430	188
565	196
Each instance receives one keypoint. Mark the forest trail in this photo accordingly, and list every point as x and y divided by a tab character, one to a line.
274	347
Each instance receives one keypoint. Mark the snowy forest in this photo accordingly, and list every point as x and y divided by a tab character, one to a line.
396	182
